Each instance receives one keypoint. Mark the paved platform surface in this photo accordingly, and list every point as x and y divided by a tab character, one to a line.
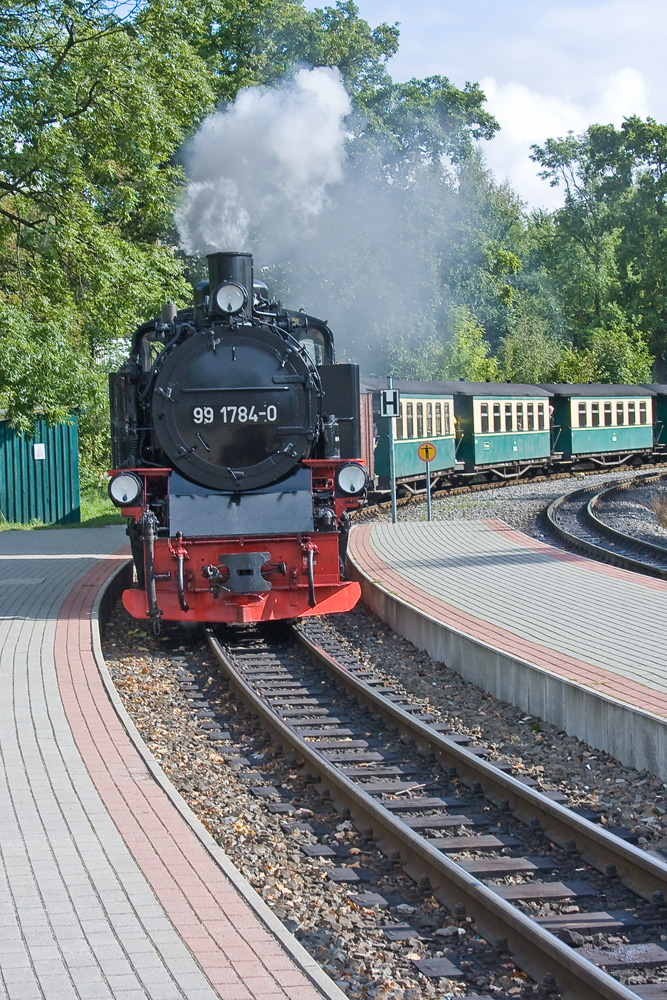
604	624
108	891
592	626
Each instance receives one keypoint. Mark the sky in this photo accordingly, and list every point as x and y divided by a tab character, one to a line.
546	68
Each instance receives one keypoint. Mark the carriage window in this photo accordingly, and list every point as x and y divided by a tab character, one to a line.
595	414
607	414
508	417
448	426
540	416
399	423
620	414
484	409
631	413
410	420
583	422
642	412
519	416
420	420
429	419
531	416
496	417
438	419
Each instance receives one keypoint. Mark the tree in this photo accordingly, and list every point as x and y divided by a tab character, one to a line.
89	120
467	354
531	349
585	236
97	98
607	245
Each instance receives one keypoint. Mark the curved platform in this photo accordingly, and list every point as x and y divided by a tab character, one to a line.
110	888
580	644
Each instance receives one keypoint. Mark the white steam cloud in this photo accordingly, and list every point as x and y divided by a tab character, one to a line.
274	150
337	223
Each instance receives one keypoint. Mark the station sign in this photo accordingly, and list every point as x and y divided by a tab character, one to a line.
389	403
427	451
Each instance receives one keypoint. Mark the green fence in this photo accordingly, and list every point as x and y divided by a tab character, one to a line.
39	476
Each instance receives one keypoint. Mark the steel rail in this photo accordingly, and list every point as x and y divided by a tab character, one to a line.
601	552
623	536
640	871
535	949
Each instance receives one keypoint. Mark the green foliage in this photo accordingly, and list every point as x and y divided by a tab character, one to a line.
530	351
467	354
98	97
425	120
619	351
606	247
91	116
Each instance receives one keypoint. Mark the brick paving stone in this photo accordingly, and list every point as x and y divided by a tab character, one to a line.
101	879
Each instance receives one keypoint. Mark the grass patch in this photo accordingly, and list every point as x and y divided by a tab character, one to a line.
97	511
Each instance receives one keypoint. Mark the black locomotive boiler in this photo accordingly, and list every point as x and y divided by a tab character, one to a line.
235	444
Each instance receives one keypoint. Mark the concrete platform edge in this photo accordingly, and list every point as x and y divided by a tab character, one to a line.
635	737
317	977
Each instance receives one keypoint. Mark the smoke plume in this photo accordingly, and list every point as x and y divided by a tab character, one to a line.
348	226
274	150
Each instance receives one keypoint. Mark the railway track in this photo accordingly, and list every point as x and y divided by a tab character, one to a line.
378	506
575	520
488	844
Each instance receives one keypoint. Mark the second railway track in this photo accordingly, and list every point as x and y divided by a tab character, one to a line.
575	520
428	799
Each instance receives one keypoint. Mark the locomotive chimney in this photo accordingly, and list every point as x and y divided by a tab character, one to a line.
230	283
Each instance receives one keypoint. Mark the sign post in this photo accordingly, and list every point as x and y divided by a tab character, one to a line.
390	407
427	452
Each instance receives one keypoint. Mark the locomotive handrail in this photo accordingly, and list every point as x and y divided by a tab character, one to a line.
236	388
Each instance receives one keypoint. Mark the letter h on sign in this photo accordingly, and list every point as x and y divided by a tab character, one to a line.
389	403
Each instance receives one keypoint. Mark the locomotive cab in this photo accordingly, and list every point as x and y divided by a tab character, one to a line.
243	434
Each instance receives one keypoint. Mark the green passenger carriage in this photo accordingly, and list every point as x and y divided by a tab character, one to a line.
659	417
426	413
501	427
608	424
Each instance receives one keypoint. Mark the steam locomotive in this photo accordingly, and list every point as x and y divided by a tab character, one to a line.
235	445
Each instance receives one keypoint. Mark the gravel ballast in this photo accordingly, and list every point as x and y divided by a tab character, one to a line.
215	778
521	505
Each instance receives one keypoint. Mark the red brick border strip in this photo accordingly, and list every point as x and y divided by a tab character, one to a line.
561	555
238	954
604	682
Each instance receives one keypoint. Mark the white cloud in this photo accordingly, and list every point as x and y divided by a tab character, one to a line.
545	67
528	116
